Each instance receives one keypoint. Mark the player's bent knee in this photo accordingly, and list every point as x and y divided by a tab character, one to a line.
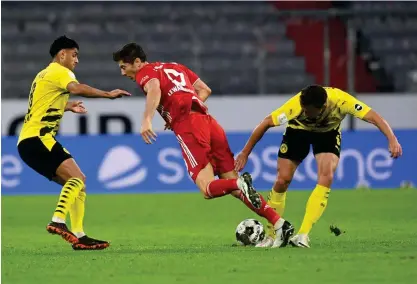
236	194
202	186
83	177
203	180
282	183
80	176
326	178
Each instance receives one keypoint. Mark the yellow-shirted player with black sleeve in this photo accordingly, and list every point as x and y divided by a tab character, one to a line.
38	148
313	118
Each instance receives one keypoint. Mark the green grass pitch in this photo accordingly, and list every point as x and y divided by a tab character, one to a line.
182	238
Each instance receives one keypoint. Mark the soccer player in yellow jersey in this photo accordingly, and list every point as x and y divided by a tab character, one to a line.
38	148
313	116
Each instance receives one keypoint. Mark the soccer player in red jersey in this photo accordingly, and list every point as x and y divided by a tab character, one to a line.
178	94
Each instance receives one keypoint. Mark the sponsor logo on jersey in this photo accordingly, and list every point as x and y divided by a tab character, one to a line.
358	107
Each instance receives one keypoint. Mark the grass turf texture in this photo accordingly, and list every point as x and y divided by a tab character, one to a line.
182	238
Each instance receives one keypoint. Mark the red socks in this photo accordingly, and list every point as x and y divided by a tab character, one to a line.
221	187
265	211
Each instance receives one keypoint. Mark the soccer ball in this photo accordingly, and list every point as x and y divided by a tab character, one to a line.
249	232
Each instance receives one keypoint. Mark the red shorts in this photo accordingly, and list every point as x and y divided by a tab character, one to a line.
204	141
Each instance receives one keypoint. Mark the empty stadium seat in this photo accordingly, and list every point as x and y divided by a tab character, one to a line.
392	39
237	47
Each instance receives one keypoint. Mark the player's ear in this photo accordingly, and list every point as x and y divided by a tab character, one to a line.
61	54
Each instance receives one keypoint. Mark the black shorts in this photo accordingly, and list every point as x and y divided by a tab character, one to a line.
296	143
36	154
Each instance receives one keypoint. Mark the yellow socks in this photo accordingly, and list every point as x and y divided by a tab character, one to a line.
77	214
69	193
276	200
316	205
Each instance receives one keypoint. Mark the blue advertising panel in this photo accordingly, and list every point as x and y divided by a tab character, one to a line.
115	164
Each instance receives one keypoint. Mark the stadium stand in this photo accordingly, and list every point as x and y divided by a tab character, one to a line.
308	35
392	40
237	47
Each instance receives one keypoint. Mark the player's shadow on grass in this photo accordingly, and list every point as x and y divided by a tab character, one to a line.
163	250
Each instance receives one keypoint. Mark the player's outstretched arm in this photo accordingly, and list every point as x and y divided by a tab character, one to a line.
90	92
203	91
75	107
377	120
256	135
153	97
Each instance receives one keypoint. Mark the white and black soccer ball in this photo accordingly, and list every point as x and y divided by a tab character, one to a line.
249	232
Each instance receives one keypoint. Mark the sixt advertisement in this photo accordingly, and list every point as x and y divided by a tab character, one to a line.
116	164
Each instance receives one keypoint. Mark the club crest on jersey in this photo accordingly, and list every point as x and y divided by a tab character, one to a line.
284	148
358	107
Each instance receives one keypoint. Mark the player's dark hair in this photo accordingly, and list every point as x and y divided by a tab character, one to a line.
129	53
314	95
60	43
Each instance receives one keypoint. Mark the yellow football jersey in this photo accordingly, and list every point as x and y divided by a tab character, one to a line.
339	104
47	100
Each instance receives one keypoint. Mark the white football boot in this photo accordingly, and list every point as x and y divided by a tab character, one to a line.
244	183
283	232
266	243
301	241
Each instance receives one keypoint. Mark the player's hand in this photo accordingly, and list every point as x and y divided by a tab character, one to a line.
76	107
115	94
241	161
167	126
147	133
395	148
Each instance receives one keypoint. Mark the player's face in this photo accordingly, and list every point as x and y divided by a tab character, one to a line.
313	112
69	58
129	70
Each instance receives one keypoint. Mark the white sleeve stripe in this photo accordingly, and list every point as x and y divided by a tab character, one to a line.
196	81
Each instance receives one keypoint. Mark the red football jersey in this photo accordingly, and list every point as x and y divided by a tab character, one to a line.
178	96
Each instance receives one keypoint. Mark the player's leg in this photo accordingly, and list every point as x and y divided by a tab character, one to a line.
223	162
264	211
64	170
212	188
278	194
69	172
223	159
77	210
44	155
294	148
280	226
194	137
326	147
285	173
